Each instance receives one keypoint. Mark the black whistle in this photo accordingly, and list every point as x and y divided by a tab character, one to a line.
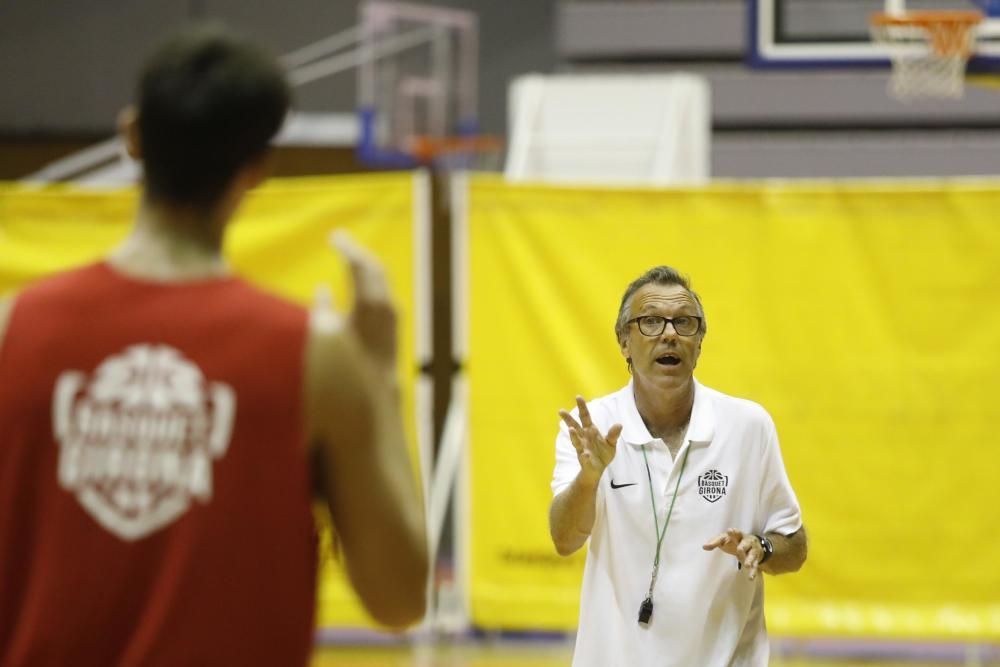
645	612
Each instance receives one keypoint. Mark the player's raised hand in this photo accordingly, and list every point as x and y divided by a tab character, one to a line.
373	316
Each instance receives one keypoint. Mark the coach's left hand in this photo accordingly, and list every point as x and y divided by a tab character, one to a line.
746	547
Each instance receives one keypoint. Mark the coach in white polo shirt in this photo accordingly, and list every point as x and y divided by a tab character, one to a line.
683	495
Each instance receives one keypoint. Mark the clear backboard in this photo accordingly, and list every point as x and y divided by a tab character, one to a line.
417	83
418	69
836	33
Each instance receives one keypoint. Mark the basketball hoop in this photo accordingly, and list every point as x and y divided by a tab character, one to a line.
929	50
456	152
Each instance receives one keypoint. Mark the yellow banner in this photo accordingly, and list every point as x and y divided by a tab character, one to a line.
864	317
278	241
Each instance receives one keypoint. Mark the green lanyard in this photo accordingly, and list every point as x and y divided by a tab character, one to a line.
656	521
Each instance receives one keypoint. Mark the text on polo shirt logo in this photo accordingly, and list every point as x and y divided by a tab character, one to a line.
712	485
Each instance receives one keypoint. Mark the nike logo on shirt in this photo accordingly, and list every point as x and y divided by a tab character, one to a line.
620	486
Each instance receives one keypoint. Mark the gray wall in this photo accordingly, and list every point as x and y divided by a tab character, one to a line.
68	66
805	122
516	36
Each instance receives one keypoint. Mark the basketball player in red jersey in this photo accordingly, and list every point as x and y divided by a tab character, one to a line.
163	424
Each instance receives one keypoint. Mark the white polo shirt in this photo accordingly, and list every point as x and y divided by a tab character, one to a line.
706	612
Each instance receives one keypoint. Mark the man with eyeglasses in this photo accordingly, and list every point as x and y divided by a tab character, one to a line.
665	477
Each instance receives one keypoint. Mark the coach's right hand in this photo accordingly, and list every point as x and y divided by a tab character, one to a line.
594	451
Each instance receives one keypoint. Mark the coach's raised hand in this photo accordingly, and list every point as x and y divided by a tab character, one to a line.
594	450
571	516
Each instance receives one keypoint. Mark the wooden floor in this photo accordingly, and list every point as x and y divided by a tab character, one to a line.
546	654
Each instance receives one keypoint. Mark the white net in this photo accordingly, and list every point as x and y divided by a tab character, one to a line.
929	51
927	76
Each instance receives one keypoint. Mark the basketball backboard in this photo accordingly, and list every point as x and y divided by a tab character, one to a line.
836	33
417	79
417	67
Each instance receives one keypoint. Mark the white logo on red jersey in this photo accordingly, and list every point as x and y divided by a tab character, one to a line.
138	437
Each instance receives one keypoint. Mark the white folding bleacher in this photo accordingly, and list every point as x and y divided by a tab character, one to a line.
646	129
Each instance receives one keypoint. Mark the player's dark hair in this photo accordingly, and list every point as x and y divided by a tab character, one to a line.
209	103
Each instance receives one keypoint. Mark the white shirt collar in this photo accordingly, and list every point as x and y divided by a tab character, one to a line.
701	428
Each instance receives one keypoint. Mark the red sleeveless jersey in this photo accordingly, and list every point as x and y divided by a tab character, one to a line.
155	503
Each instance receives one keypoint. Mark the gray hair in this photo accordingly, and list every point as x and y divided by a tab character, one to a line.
659	275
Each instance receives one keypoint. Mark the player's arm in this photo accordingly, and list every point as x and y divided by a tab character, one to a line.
364	469
6	306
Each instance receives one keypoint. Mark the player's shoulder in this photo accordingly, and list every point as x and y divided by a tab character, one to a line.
269	310
59	286
332	351
44	294
337	380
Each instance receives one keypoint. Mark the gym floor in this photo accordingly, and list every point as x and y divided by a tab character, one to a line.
558	653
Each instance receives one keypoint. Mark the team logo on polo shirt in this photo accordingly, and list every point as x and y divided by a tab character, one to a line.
137	438
712	485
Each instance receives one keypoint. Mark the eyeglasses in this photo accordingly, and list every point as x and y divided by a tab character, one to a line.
654	325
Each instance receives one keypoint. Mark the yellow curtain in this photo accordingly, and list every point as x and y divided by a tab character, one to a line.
864	316
278	241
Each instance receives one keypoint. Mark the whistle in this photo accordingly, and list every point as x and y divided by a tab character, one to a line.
645	612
